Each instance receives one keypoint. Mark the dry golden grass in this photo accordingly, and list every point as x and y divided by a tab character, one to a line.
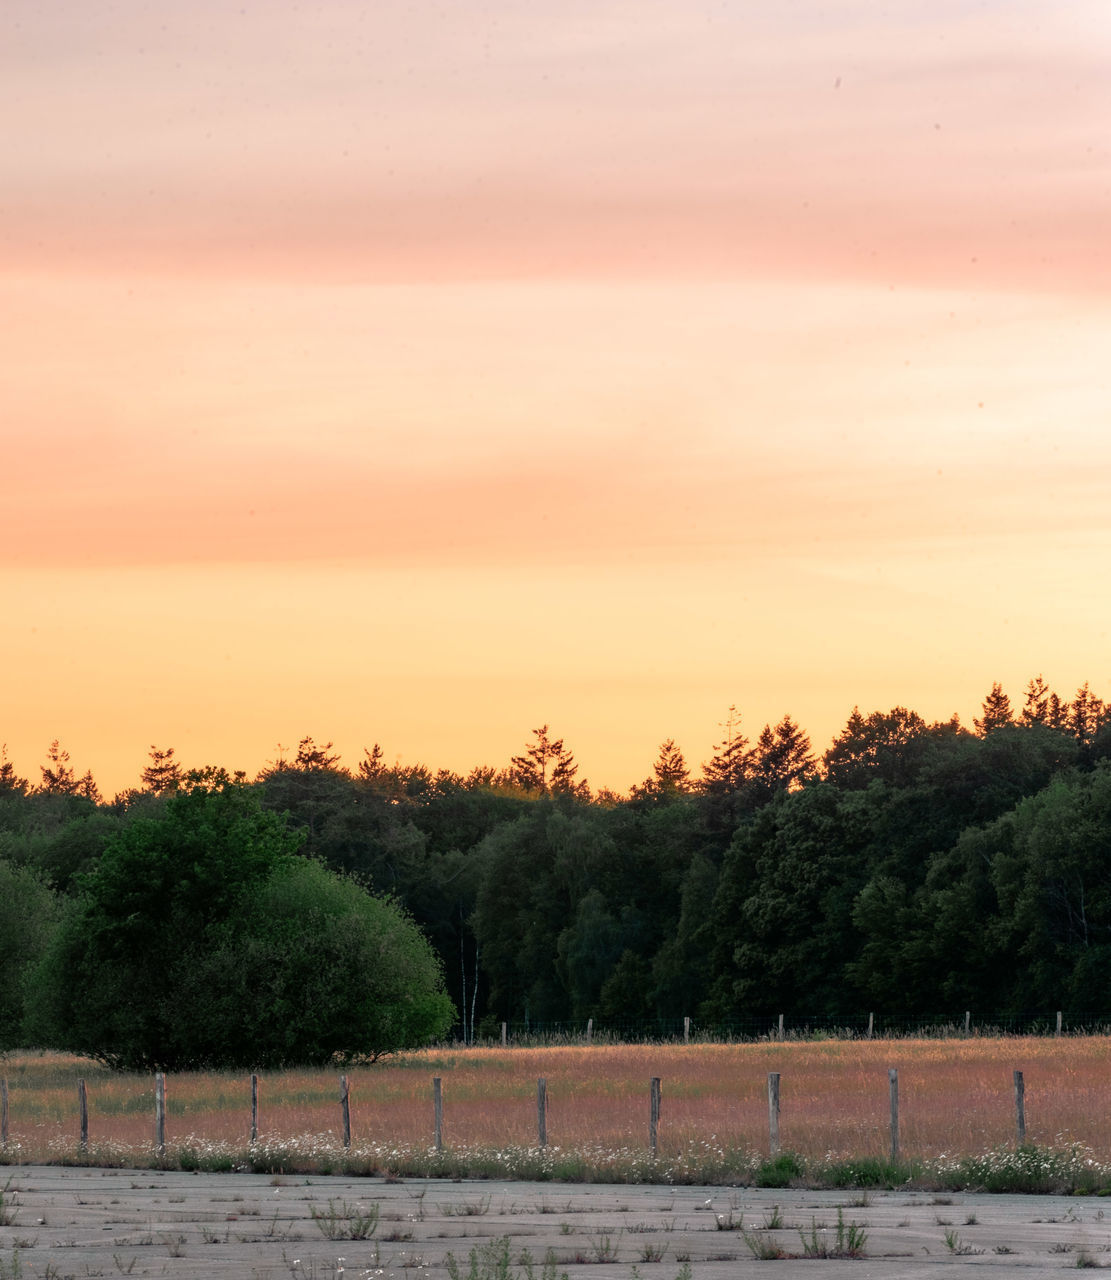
956	1097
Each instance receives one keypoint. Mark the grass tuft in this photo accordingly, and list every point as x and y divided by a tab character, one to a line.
494	1261
848	1240
343	1221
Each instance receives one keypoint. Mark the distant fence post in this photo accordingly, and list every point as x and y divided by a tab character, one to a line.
686	1030
654	1114
893	1087
780	1026
967	1021
1020	1109
773	1113
871	1024
83	1113
503	1035
542	1112
438	1111
3	1113
1060	1017
160	1111
589	1030
345	1109
254	1108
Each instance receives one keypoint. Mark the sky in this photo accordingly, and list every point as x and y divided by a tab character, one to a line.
418	373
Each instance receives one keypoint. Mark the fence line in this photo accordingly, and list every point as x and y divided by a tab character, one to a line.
802	1026
655	1095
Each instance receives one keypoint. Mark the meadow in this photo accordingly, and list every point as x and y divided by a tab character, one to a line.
957	1114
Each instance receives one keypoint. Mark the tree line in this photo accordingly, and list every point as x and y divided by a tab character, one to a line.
911	867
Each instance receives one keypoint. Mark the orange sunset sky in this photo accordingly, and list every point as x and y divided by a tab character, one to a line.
418	373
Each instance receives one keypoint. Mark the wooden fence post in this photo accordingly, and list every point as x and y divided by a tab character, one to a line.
773	1113
83	1113
654	1113
781	1026
589	1030
503	1035
542	1112
345	1109
1020	1110
3	1113
254	1108
871	1024
160	1111
1060	1017
893	1086
967	1021
438	1111
686	1030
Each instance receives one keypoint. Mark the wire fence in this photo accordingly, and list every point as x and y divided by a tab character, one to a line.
800	1026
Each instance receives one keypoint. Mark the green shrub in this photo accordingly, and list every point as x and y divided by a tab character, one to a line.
780	1170
201	939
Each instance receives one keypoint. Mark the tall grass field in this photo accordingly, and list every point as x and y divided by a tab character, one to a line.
957	1118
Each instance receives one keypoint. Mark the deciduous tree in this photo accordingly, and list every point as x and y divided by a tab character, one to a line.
28	913
885	745
209	898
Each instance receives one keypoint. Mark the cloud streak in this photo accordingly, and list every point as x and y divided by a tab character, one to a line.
414	147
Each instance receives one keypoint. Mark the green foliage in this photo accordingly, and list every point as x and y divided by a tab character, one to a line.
28	916
343	974
1025	1170
544	881
917	869
866	1171
201	939
783	907
780	1171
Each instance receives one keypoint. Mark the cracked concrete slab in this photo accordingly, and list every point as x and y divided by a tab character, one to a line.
58	1222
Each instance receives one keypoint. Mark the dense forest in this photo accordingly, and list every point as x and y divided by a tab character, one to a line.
912	867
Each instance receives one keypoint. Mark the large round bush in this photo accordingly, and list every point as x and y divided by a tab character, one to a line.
202	939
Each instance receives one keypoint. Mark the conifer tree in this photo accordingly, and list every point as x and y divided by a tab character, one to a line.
782	757
311	758
670	775
546	766
372	766
995	712
730	768
10	782
58	776
163	773
1035	709
1088	714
